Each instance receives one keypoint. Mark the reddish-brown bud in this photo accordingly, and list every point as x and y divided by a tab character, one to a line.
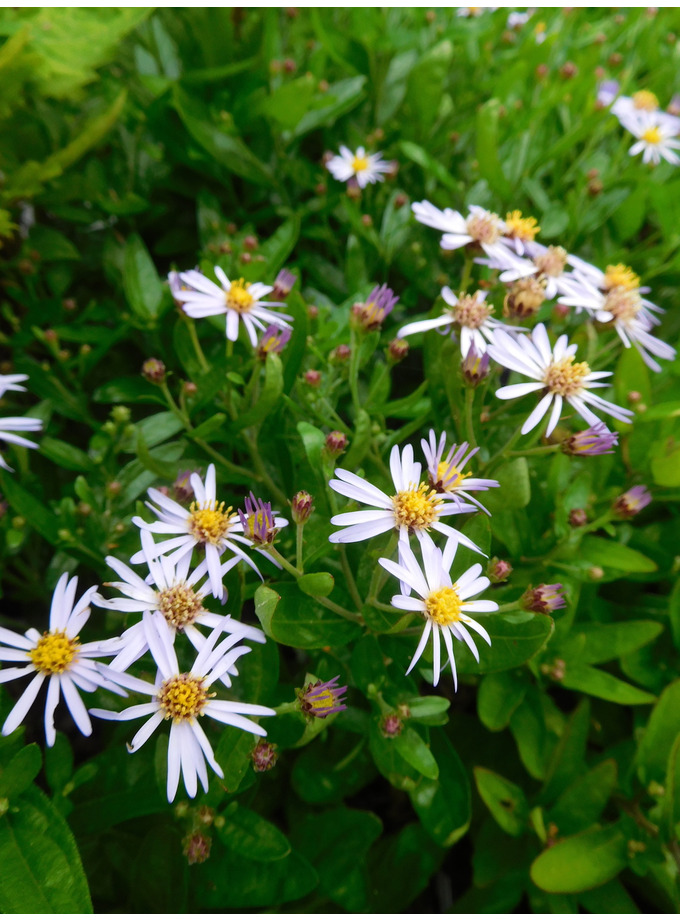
153	370
336	443
312	378
264	757
578	517
301	507
197	848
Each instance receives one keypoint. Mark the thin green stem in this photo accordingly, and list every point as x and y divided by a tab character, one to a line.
299	546
511	605
469	422
531	451
263	475
227	464
354	370
505	450
191	326
349	578
467	273
323	601
169	398
230	348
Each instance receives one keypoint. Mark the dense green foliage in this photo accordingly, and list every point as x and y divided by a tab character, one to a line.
137	142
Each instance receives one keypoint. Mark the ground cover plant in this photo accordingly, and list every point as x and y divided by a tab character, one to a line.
340	463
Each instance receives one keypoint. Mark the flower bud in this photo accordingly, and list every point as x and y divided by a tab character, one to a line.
120	415
197	848
301	507
391	726
182	486
543	598
578	517
498	570
524	297
250	243
264	756
397	350
632	502
336	443
283	284
153	370
340	355
189	388
475	367
312	378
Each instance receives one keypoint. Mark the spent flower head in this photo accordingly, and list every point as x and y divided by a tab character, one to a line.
543	598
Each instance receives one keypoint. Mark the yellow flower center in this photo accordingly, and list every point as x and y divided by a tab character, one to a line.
524	228
325	700
566	378
416	508
621	276
449	477
471	311
182	697
180	605
210	523
238	297
443	606
359	164
524	297
54	652
624	304
483	228
552	261
652	135
644	99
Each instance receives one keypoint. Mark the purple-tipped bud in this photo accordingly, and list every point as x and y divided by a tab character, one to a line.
379	304
632	502
340	355
258	521
283	284
264	756
578	517
301	507
312	378
607	91
153	370
543	598
274	339
182	485
197	848
475	367
498	570
673	107
397	350
592	442
391	726
336	443
319	700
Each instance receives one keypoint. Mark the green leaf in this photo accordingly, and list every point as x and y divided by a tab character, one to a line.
340	98
36	514
128	389
389	761
299	622
335	767
611	898
313	440
424	708
515	487
265	605
150	461
506	801
666	468
605	686
490	166
316	584
41	868
336	843
252	836
593	643
581	804
400	867
20	771
568	758
143	289
360	440
268	398
160	876
430	166
498	697
657	741
289	102
279	246
608	554
413	749
233	755
444	805
581	862
671	801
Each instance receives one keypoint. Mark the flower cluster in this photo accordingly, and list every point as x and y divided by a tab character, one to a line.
657	132
171	600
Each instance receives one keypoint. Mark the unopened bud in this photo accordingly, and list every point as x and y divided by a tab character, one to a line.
246	257
400	200
250	243
189	388
578	517
312	311
197	848
312	378
323	86
264	756
391	726
289	65
498	570
596	573
114	487
153	370
353	191
543	598
542	71
569	70
340	355
475	367
69	304
367	220
120	415
336	443
397	350
301	507
632	502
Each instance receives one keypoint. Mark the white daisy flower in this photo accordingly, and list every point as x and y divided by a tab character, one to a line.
657	138
11	382
414	509
58	657
239	300
480	227
643	107
555	374
446	473
444	605
623	305
545	262
207	523
364	167
618	278
176	597
470	313
7	428
184	698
